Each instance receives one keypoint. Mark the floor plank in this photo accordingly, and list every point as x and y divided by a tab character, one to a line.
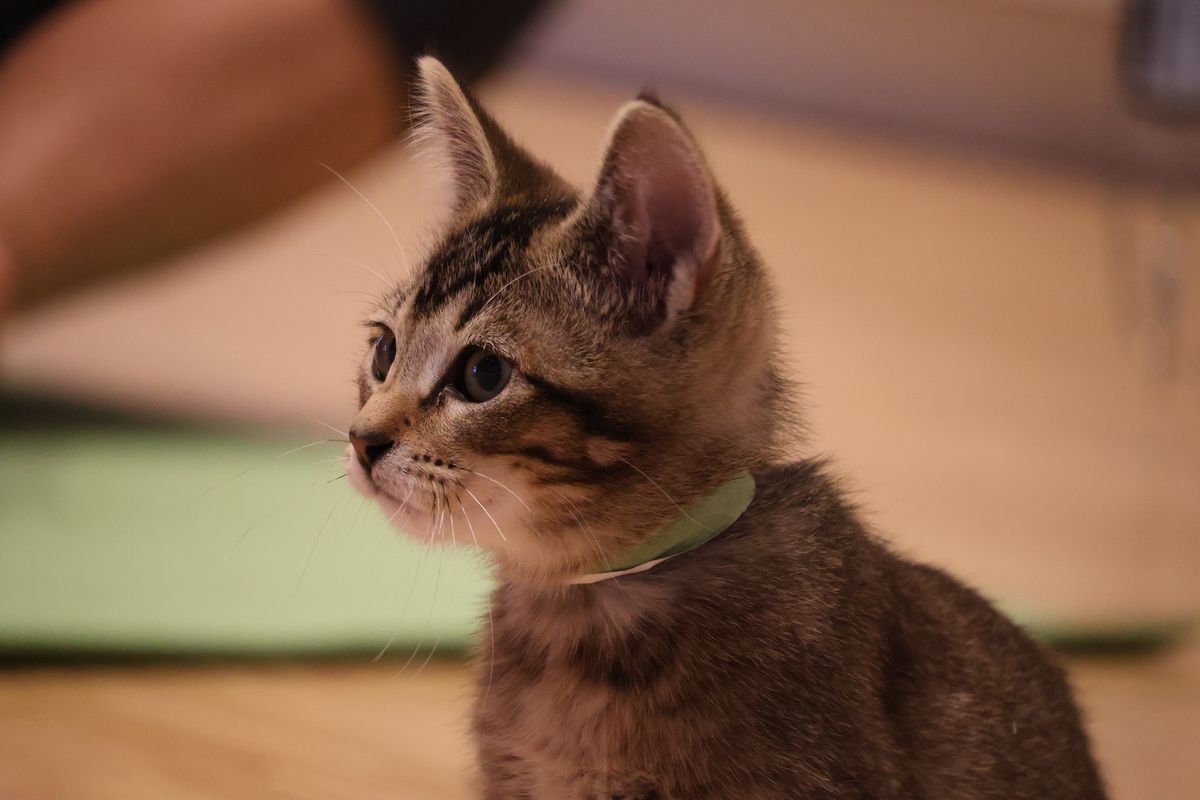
360	731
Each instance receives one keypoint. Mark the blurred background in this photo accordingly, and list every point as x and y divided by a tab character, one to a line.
984	222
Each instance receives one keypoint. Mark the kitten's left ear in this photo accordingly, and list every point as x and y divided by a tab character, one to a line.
445	120
658	201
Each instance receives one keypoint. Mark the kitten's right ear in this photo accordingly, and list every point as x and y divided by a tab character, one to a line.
658	202
446	124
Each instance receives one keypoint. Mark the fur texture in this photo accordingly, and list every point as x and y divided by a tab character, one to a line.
794	656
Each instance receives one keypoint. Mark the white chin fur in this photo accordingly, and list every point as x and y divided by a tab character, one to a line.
471	525
365	486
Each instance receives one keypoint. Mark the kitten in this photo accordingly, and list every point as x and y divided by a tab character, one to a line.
570	375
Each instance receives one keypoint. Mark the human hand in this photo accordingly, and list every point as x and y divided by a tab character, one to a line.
6	282
131	130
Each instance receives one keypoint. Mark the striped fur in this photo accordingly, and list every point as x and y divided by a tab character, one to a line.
794	656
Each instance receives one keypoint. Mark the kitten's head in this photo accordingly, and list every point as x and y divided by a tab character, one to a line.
566	371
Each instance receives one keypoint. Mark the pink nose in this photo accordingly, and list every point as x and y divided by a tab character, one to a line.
369	446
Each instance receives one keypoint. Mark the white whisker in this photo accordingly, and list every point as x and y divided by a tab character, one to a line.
402	504
259	465
416	573
345	436
375	208
485	511
335	460
320	531
510	283
491	621
654	483
363	265
275	511
501	485
445	497
586	529
438	641
404	609
470	525
362	503
437	580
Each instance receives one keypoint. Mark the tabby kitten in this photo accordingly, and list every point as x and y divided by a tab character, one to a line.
567	376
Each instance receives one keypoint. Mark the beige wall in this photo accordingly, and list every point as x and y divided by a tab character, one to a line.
1034	77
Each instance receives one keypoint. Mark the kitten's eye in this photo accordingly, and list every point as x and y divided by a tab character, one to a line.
484	376
385	354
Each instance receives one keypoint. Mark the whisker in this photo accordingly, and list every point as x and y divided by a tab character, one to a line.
470	525
664	493
259	465
491	625
404	609
274	512
438	641
427	537
514	280
362	503
338	478
363	265
445	497
402	504
485	511
450	515
312	550
335	460
345	436
586	529
373	207
413	584
437	580
501	485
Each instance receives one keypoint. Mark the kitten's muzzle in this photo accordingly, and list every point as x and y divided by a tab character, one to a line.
370	446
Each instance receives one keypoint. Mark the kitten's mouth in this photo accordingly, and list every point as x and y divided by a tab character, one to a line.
407	499
433	507
360	477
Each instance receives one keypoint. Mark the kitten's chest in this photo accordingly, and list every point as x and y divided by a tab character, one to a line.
593	705
580	739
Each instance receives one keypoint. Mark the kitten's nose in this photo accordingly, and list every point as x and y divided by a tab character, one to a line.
370	446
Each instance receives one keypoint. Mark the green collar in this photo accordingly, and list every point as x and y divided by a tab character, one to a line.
699	524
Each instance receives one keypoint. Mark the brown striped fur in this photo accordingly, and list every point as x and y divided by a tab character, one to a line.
794	656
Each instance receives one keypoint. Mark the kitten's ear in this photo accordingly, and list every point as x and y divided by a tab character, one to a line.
657	199
446	123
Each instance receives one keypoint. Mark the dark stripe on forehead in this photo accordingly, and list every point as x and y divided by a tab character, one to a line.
588	411
473	307
398	297
490	246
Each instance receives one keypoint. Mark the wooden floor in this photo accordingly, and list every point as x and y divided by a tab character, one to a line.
360	731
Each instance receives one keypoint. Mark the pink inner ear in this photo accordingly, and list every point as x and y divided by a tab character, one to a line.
665	202
681	211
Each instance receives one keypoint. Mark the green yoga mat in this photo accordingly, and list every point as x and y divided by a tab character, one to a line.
121	537
124	538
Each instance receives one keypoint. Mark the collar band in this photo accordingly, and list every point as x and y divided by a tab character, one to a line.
701	523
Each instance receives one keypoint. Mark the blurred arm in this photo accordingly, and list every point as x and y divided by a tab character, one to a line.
132	128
